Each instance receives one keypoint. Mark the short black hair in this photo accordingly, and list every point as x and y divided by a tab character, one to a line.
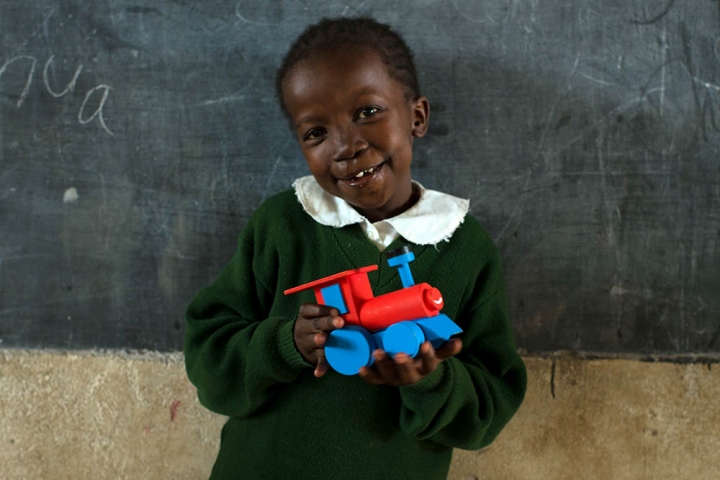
330	33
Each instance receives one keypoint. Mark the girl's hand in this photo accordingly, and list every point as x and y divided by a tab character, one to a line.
403	370
312	326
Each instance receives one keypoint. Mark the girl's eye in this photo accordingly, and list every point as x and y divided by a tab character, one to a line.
314	133
367	112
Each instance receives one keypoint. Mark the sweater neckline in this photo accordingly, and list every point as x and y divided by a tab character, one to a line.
360	251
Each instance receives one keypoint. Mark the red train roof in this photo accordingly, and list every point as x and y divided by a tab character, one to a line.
322	282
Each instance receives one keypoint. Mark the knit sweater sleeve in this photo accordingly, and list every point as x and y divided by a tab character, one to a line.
468	400
238	357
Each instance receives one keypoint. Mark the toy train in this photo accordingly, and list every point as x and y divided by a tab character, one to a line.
395	322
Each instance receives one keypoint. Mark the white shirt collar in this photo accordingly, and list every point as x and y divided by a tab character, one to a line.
434	217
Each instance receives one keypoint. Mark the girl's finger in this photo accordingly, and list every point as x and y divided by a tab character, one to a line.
428	360
322	366
320	339
327	323
406	371
311	310
451	348
370	376
385	366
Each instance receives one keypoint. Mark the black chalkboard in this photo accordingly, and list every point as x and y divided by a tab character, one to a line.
135	141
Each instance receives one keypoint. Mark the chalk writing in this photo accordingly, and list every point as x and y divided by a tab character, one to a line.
82	118
25	90
71	85
98	111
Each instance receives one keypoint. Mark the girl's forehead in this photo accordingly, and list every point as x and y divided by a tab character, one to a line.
344	57
335	69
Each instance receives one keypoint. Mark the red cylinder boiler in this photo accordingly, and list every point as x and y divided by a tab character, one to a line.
418	301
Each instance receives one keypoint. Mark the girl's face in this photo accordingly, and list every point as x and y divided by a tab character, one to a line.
356	128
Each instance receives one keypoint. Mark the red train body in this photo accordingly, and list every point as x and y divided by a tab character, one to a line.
398	321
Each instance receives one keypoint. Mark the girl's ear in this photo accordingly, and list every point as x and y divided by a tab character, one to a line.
420	117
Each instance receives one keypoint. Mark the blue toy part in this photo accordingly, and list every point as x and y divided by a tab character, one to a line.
350	348
404	337
438	329
401	262
332	297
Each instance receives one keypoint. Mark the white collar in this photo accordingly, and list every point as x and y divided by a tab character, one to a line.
434	217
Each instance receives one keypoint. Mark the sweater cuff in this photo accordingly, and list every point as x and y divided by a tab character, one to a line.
288	350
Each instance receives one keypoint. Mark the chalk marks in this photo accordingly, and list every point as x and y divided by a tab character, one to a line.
473	17
596	80
269	13
276	16
657	17
551	113
8	193
98	111
83	118
349	12
70	87
708	85
236	96
226	99
71	195
271	176
26	89
674	127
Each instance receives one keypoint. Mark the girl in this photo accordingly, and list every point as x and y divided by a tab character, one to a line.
350	91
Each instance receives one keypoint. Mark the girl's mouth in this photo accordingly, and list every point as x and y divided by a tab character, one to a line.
364	176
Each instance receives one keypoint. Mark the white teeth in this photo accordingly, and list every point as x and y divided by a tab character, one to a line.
368	171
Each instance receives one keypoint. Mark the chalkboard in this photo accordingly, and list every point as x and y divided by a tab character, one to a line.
136	141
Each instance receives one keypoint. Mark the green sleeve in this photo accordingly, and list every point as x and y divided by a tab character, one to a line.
237	357
468	400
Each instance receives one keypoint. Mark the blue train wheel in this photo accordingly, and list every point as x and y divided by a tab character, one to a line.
403	337
349	349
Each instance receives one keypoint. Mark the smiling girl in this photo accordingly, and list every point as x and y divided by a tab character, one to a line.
349	89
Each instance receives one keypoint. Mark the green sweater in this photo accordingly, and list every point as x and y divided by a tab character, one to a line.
284	422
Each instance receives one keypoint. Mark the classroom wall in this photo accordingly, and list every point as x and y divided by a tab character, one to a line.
89	414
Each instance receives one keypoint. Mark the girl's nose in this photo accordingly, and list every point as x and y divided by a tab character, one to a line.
349	144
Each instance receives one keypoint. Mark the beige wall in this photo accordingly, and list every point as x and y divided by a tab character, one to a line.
90	415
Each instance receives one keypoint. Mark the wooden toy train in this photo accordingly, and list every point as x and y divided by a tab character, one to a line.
395	322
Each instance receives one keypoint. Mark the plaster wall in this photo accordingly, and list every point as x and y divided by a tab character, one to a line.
90	415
